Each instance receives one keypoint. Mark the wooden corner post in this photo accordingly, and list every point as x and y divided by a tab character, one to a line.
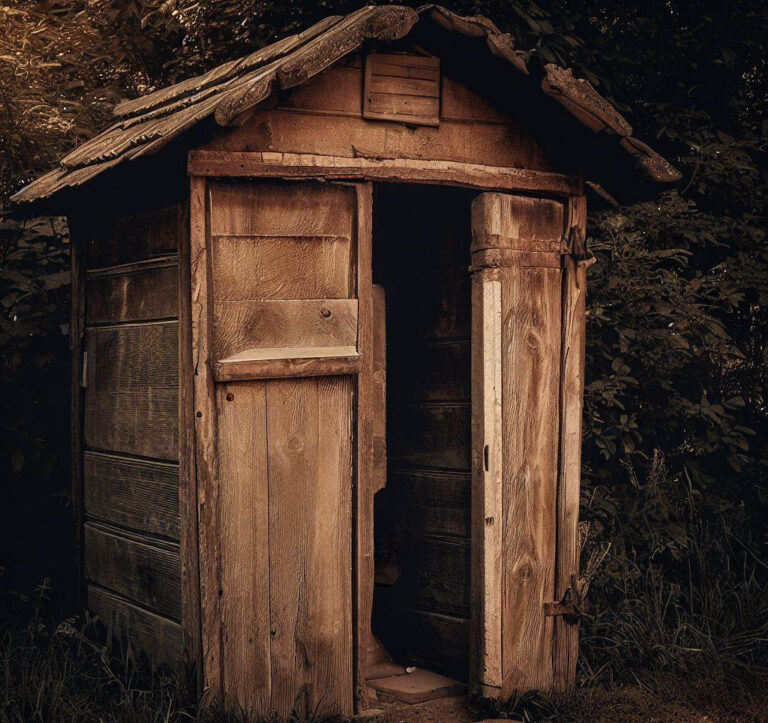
516	436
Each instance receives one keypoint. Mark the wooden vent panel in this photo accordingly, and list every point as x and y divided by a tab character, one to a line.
402	88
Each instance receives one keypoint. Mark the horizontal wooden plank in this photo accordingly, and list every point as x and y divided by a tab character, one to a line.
237	164
133	493
338	91
270	208
136	292
388	106
429	640
243	325
289	362
403	86
350	137
143	569
430	435
131	400
133	238
159	638
405	70
427	501
281	267
434	576
403	60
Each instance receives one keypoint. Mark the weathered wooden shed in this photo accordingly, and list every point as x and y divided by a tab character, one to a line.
328	360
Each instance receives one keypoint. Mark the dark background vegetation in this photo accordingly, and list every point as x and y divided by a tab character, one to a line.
674	499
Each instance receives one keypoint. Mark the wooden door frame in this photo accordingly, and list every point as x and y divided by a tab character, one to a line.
203	165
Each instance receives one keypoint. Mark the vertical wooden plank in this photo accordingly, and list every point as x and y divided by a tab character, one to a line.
520	237
244	545
366	412
566	633
370	652
190	572
530	388
76	337
310	486
205	435
487	465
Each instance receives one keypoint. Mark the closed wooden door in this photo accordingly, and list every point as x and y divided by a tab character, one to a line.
527	372
276	298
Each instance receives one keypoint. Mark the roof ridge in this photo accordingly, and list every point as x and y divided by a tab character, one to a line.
146	124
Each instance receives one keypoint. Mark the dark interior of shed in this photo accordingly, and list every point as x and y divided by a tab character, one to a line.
421	255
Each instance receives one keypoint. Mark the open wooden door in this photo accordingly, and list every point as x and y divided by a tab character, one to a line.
527	376
280	302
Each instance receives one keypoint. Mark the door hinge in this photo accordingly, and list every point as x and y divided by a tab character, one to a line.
571	607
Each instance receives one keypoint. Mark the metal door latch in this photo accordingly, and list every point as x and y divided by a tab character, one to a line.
572	604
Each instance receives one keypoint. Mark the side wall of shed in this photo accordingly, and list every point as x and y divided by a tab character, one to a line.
126	431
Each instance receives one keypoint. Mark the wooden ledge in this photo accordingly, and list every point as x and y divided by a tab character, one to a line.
274	363
402	170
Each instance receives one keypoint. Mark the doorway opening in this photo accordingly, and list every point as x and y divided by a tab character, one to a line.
421	257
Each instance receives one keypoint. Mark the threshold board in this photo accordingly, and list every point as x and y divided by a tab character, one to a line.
417	687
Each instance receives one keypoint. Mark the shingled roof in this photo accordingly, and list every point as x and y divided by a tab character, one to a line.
147	124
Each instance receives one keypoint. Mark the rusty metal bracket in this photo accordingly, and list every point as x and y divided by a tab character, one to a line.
572	604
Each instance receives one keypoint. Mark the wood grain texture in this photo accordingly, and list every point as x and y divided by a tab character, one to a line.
281	267
309	427
274	458
133	238
131	403
402	88
566	633
487	467
244	549
190	570
143	291
243	325
270	164
367	405
351	137
134	493
433	502
530	374
278	363
161	639
206	421
142	569
271	208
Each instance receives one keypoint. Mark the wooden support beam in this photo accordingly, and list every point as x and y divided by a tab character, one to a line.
451	173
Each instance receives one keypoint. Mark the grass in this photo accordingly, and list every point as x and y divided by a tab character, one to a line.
658	663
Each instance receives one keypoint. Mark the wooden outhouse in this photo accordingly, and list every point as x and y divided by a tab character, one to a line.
328	360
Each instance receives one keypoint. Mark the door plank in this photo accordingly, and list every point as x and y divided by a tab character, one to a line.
310	467
244	544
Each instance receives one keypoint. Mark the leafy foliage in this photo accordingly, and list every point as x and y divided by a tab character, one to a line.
675	412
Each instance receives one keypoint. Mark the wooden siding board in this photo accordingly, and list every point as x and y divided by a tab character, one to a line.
160	638
131	402
139	292
134	493
133	238
140	568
